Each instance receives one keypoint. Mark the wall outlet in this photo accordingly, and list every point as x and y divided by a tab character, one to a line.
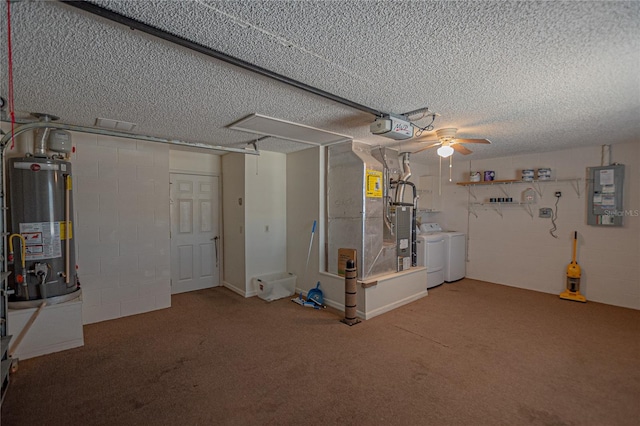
545	212
558	194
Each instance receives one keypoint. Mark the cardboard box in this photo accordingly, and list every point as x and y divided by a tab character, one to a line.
345	254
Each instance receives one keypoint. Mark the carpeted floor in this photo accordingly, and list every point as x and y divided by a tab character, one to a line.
471	353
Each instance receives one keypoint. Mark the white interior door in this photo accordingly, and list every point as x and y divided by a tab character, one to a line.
195	242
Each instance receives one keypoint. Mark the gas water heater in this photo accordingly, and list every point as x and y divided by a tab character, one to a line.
39	220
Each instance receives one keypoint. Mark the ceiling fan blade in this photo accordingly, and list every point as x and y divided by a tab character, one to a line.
485	141
413	141
426	138
461	149
433	145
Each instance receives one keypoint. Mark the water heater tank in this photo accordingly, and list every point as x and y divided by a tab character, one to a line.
40	211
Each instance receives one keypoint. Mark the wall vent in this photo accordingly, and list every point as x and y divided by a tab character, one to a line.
107	123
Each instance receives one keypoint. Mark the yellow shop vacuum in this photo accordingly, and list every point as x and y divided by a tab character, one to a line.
572	292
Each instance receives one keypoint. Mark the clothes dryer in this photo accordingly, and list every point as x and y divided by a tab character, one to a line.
431	254
455	247
455	250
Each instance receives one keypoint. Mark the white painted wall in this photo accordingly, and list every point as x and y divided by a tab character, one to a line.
194	161
265	215
303	207
306	203
518	250
121	190
255	233
233	217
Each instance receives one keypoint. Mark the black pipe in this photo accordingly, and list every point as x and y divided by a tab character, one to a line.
165	35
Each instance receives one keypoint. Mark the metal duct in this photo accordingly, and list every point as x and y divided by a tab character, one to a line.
42	135
355	218
40	142
389	159
406	174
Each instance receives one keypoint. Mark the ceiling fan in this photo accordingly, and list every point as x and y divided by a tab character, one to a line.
448	143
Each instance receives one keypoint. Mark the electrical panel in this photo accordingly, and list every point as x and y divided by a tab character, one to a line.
604	195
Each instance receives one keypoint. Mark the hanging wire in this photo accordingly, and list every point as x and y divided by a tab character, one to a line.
427	128
440	177
554	216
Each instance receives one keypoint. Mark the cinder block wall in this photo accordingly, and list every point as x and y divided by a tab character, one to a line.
121	193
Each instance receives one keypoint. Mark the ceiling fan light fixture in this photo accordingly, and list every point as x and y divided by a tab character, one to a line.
445	151
446	134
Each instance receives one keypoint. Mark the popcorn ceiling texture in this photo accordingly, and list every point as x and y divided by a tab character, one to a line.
530	76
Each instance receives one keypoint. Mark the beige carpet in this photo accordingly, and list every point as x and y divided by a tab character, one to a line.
471	353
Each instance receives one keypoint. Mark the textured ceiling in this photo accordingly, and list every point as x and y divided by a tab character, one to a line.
530	76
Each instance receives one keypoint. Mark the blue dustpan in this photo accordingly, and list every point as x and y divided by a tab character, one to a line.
315	295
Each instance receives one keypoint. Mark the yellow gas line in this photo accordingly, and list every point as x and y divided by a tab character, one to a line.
67	227
23	251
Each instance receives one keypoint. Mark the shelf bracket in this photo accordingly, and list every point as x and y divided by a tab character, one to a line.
537	187
472	210
472	193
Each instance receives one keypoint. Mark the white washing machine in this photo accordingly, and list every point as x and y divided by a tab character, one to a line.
431	254
455	249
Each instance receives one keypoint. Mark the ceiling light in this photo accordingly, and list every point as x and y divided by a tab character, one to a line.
445	151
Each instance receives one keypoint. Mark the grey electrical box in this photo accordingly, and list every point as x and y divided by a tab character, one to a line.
545	213
604	195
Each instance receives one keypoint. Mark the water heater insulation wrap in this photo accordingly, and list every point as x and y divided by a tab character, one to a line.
38	190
